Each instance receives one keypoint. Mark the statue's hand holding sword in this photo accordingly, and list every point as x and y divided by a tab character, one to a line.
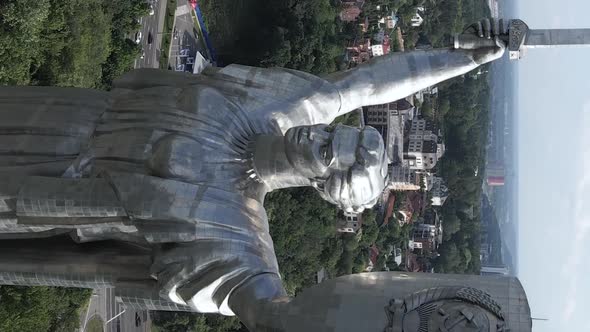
515	36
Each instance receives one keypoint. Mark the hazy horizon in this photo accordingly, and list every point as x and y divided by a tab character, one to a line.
553	190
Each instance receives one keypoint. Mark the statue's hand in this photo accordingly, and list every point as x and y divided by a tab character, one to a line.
485	39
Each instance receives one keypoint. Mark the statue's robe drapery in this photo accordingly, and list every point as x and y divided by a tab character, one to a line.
159	168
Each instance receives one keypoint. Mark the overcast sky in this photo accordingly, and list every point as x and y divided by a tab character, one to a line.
553	104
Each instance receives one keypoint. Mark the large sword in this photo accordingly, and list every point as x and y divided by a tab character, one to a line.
519	37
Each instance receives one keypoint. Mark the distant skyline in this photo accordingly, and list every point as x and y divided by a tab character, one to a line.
553	138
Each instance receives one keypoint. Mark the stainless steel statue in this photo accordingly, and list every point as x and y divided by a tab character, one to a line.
157	187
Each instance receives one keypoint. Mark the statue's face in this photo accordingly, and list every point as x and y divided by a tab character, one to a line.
346	165
320	150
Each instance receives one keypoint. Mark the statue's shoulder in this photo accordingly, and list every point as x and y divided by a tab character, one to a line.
282	97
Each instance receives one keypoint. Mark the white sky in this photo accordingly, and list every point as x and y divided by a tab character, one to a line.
553	105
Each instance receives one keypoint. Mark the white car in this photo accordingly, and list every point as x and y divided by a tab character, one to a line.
138	37
151	10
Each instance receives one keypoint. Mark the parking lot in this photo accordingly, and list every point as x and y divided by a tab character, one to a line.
187	40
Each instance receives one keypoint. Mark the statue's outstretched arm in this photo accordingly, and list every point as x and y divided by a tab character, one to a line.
392	77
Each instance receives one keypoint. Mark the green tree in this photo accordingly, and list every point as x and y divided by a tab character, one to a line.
31	309
170	321
304	35
21	24
427	109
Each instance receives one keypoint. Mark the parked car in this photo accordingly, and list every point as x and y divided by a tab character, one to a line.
138	37
142	54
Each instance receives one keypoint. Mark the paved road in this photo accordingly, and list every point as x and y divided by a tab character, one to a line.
153	24
135	321
103	304
187	38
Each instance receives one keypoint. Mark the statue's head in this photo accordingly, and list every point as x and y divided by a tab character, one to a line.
347	165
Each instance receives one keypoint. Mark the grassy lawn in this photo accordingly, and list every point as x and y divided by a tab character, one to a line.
94	325
167	33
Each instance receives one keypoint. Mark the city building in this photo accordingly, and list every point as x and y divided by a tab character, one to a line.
390	199
378	114
387	22
350	11
383	48
389	120
359	51
410	207
377	50
495	181
427	237
349	223
495	174
401	178
391	22
423	147
439	191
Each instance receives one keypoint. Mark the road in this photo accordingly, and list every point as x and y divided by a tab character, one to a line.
103	304
153	24
187	37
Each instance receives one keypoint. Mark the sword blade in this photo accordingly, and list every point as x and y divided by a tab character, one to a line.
557	37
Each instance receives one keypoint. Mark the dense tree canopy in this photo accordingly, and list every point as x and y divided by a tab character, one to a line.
32	309
465	124
303	228
302	34
168	321
80	43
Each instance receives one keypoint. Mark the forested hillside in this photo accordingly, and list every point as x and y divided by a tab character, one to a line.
80	43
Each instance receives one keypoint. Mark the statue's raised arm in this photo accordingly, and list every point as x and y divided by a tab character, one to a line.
392	77
280	98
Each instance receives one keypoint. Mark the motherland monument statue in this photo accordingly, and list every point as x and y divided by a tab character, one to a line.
156	188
